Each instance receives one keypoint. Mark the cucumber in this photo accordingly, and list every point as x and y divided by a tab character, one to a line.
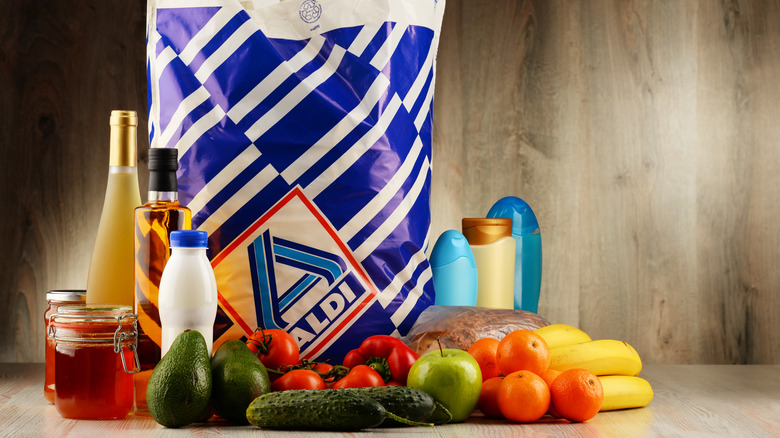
315	409
409	403
440	415
341	409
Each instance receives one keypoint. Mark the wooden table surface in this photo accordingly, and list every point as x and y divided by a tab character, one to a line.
690	400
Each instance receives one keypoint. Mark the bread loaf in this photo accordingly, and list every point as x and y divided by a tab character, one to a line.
460	326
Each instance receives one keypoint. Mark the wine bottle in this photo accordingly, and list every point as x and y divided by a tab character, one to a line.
154	222
110	278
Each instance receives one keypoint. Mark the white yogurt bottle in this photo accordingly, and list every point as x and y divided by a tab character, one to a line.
188	289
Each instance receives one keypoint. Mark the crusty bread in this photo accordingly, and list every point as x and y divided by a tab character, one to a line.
460	326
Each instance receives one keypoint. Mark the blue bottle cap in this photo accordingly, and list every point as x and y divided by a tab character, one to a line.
450	246
189	239
523	218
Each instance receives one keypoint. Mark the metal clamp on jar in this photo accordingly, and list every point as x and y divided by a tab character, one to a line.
93	369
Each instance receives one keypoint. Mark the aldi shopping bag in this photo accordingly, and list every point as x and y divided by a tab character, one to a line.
304	137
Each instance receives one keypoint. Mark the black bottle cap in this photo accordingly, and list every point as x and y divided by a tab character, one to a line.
164	159
163	164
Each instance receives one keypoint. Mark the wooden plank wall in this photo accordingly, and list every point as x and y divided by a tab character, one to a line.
643	133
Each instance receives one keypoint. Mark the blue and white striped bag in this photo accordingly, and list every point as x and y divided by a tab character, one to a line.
304	137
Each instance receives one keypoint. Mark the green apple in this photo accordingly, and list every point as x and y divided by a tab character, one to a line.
452	377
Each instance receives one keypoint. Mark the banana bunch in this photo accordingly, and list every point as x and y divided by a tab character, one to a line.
615	362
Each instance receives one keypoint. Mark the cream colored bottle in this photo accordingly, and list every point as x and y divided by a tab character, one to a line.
110	279
493	247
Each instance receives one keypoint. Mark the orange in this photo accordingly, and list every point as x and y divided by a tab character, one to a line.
523	397
577	395
488	398
522	350
549	376
484	351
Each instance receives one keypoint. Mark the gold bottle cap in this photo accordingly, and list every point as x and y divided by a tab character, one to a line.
124	118
481	231
123	138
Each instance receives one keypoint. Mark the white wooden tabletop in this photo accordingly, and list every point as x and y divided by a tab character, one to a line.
690	400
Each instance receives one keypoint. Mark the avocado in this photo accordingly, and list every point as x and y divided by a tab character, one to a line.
239	377
180	387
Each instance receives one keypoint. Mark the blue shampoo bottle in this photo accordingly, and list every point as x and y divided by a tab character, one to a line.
528	256
454	271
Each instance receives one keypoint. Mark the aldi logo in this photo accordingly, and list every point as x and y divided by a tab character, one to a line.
314	292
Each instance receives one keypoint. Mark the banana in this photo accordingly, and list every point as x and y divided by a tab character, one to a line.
560	335
624	392
602	357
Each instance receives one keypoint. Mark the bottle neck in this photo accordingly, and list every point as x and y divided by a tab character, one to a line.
123	139
163	182
158	196
122	169
188	250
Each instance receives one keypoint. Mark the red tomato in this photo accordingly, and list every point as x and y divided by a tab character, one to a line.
360	376
298	379
275	348
323	367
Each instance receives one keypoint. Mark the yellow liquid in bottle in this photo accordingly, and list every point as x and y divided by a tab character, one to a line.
110	279
153	225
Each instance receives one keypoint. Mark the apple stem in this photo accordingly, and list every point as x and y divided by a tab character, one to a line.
441	350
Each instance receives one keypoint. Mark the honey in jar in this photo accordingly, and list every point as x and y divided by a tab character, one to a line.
56	298
94	358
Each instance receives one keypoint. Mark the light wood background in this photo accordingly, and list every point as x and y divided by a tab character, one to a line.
643	133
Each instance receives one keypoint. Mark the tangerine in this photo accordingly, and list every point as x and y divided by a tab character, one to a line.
549	376
488	398
577	395
523	350
523	397
484	351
